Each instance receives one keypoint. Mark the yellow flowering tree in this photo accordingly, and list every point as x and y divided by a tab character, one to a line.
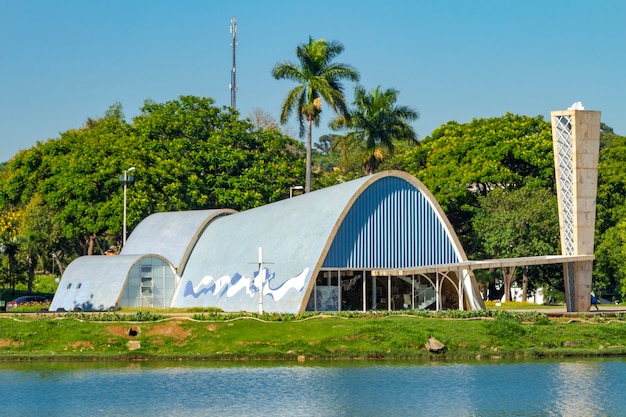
9	246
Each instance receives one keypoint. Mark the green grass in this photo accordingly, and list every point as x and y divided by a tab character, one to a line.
516	305
215	336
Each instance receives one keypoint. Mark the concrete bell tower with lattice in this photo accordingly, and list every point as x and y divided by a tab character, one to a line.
576	139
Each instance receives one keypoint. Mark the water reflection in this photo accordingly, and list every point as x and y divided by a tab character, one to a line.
543	388
577	389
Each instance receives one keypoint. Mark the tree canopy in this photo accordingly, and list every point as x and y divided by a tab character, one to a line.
374	123
64	196
610	264
517	223
188	154
461	162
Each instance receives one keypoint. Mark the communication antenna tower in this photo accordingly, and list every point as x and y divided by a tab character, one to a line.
233	73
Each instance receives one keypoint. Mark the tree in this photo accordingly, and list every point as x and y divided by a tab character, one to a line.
461	162
10	245
325	143
39	235
509	227
377	121
188	153
335	153
607	135
195	155
261	119
610	234
80	180
319	78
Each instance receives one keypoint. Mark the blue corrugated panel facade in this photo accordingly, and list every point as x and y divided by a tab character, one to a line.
391	225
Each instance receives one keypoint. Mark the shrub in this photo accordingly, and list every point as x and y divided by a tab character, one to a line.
507	329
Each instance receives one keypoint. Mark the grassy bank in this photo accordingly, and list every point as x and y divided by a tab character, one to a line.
216	336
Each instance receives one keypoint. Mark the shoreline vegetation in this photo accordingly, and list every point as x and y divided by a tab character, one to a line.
156	335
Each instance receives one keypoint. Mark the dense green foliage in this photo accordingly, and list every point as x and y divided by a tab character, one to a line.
610	265
64	196
483	174
461	162
518	223
375	123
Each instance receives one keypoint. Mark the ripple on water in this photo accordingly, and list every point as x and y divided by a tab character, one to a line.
485	389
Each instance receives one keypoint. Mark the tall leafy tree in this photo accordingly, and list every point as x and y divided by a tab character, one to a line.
195	155
509	227
461	162
261	119
36	234
610	236
39	235
376	121
81	185
9	245
319	79
188	154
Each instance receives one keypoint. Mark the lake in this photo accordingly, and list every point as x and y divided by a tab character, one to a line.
584	387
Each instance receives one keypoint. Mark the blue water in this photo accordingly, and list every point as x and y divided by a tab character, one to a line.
538	388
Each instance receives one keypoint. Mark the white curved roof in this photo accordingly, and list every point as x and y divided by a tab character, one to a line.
295	235
292	234
386	220
170	234
93	282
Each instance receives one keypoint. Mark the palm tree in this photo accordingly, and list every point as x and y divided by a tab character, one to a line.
319	78
376	122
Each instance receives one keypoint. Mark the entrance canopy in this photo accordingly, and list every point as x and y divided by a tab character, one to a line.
484	264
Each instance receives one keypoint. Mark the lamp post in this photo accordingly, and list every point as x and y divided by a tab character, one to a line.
296	187
3	249
125	179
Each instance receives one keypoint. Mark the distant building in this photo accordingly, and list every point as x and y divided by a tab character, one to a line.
535	297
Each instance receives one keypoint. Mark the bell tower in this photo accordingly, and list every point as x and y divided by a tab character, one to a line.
576	140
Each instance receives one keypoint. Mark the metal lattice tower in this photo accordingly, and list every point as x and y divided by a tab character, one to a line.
233	73
563	128
564	163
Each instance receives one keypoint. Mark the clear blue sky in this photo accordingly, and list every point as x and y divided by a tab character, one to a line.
64	61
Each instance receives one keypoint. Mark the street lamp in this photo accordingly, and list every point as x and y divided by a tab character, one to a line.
3	249
296	187
125	179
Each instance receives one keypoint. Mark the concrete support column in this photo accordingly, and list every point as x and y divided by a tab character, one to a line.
437	292
576	139
578	285
460	289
